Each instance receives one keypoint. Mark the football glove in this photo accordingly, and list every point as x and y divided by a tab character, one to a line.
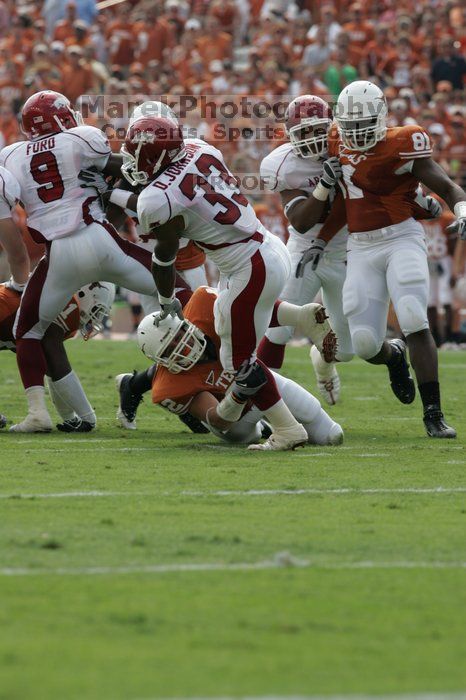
430	204
172	308
459	227
331	172
249	379
92	177
311	255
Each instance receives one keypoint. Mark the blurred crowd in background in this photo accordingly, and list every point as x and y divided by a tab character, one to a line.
270	49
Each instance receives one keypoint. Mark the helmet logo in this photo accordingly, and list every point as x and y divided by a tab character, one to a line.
143	137
60	102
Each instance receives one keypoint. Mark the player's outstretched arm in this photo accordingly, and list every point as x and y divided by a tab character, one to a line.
163	264
18	258
435	178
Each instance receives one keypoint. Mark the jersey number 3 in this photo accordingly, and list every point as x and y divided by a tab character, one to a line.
44	170
207	165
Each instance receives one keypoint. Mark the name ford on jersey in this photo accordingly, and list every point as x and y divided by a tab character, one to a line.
40	146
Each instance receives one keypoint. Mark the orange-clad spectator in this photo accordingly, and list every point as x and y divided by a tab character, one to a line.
399	113
377	50
174	18
440	104
64	28
153	36
136	76
9	126
121	37
271	82
77	76
225	11
360	31
398	65
80	35
10	87
214	43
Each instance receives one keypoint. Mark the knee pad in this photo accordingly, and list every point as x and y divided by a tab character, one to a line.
365	343
411	314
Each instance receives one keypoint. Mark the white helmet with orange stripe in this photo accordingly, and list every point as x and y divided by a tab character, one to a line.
361	114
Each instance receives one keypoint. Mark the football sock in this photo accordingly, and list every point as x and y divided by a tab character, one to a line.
430	395
280	417
64	410
271	354
288	314
35	396
142	381
31	362
70	392
324	370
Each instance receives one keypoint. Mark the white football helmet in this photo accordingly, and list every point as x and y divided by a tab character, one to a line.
95	302
361	114
174	343
152	108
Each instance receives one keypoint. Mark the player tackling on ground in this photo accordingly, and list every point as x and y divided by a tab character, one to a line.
191	193
387	257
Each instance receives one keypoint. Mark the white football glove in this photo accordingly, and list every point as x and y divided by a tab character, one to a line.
459	226
92	177
430	204
331	172
169	308
311	255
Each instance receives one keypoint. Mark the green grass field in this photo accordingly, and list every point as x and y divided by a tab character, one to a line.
158	564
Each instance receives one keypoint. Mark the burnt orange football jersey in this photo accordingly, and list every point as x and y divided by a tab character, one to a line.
189	257
377	185
9	305
176	391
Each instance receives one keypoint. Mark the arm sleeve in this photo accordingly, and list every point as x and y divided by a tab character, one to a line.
154	208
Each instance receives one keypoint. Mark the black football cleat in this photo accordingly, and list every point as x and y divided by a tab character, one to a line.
75	425
3	421
400	379
129	401
194	424
435	424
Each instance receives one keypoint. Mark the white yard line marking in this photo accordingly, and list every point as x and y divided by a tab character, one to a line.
281	561
413	696
438	490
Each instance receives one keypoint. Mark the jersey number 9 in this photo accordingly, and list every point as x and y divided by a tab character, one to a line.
44	170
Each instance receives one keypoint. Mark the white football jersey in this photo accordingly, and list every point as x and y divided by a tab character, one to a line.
9	193
282	170
47	171
202	190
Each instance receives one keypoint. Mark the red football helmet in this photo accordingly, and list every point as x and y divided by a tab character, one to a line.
307	121
151	144
48	112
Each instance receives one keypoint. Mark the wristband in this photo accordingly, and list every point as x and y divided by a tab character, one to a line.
321	192
459	210
230	409
162	263
166	300
120	197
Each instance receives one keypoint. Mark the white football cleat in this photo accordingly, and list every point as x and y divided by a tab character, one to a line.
39	422
313	323
328	381
284	440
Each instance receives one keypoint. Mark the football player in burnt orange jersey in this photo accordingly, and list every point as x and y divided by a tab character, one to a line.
190	378
387	257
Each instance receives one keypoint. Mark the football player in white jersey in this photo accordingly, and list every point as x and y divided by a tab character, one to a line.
190	193
11	240
195	277
302	173
81	245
